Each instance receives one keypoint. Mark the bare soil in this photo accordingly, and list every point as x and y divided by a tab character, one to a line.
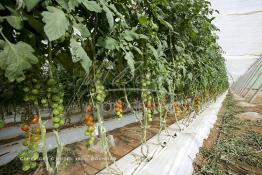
250	113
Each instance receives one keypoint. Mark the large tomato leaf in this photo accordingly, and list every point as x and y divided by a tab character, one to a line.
15	58
130	62
79	54
30	4
92	6
56	23
15	21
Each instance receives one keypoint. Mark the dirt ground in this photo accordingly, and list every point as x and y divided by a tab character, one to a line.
79	159
234	144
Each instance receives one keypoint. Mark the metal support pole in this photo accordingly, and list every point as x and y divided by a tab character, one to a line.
255	94
241	82
252	74
253	84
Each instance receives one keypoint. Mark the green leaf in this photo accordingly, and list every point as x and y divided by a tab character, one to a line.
154	51
79	54
36	24
142	20
92	6
15	21
30	4
63	4
130	62
15	59
179	49
85	33
1	7
72	4
109	16
108	43
56	23
166	24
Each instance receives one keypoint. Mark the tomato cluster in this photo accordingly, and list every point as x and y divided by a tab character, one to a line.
119	109
178	109
197	103
55	96
32	136
146	96
89	120
100	94
31	93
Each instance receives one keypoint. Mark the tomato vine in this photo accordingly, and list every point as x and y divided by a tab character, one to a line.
71	51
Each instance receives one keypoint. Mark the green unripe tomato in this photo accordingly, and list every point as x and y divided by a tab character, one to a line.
91	140
150	119
54	105
37	86
35	138
23	154
56	125
33	146
56	119
60	108
26	142
44	101
56	112
55	90
33	165
26	89
62	122
34	156
26	98
55	98
91	128
51	82
26	167
35	92
61	101
88	134
99	98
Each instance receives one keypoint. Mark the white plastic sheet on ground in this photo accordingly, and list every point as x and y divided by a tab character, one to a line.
178	154
71	135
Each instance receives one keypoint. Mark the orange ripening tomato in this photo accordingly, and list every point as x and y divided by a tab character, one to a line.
25	127
120	102
90	123
89	108
88	118
118	105
117	109
35	119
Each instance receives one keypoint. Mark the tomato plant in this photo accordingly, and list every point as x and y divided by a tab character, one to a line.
56	53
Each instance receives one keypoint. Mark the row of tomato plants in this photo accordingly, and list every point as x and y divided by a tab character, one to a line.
54	53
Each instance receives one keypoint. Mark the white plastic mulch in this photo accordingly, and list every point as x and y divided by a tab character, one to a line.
71	135
178	154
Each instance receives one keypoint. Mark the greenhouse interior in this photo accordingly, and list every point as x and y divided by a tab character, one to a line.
131	87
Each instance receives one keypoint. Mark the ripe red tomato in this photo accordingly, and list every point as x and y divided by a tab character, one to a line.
34	119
